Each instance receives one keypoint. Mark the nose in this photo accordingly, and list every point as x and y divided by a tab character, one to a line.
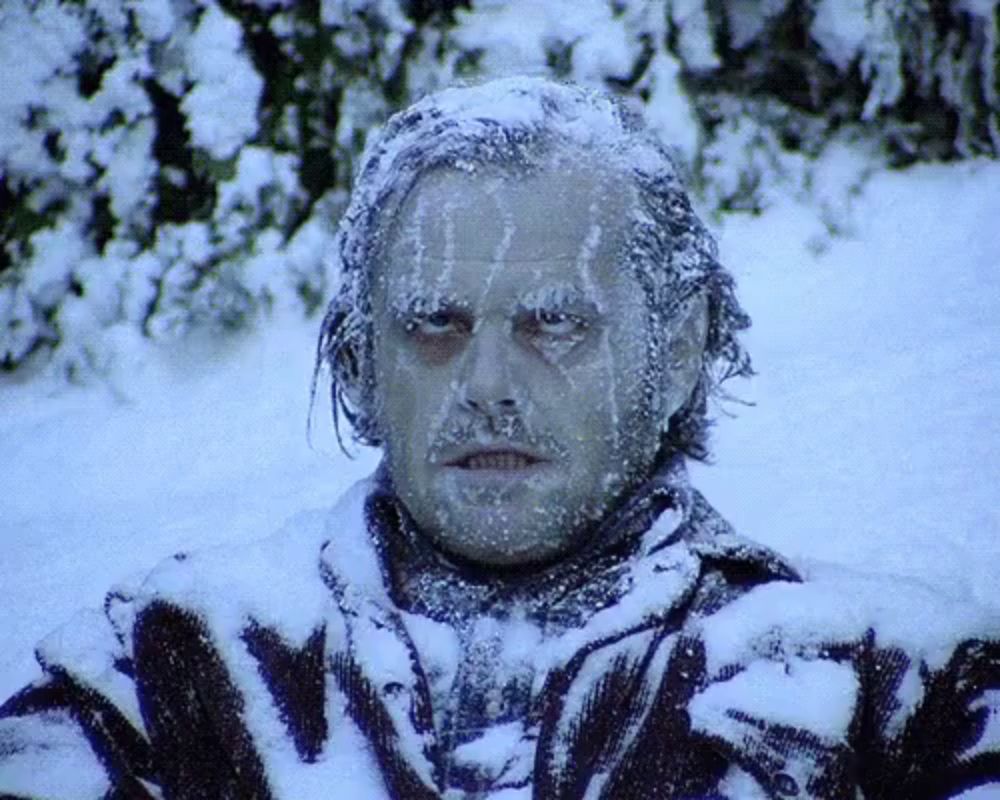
486	384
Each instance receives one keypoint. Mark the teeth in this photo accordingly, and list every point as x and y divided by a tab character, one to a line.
496	461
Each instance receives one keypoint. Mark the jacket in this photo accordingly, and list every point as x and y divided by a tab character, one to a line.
708	668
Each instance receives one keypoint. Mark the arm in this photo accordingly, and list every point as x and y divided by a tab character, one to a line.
76	733
946	740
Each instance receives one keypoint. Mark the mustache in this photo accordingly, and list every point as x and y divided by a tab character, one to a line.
512	430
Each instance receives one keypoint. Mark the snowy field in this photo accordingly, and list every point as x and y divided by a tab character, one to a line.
873	441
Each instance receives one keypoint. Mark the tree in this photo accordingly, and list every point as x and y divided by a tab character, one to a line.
168	166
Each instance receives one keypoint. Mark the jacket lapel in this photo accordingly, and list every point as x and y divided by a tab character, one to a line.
376	665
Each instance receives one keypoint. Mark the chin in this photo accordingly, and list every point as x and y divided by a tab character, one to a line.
501	535
531	556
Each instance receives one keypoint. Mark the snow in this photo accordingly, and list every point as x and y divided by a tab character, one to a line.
817	696
872	444
104	482
878	371
748	18
695	41
880	62
128	175
47	43
982	8
493	750
155	18
222	107
668	113
840	27
55	762
56	251
518	37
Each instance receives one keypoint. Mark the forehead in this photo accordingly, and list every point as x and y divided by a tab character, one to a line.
469	232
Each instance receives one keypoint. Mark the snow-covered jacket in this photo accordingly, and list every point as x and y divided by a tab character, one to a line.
288	669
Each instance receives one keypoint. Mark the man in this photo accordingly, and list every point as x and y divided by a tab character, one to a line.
527	600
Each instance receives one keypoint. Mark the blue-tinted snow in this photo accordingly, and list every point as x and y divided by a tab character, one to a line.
873	444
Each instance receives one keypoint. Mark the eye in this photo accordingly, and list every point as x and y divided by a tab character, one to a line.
554	333
559	324
438	323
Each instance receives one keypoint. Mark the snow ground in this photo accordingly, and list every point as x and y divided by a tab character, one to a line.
874	442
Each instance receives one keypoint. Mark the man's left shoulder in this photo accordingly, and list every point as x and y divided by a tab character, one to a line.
901	679
827	607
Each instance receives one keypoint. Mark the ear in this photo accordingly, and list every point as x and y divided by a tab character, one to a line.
684	352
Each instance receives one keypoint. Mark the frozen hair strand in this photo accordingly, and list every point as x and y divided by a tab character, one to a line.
517	125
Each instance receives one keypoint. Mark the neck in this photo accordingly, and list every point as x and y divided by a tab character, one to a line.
424	580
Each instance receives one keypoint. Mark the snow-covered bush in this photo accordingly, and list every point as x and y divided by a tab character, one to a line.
171	164
918	79
168	164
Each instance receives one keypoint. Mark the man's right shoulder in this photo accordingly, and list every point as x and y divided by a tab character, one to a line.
82	718
274	580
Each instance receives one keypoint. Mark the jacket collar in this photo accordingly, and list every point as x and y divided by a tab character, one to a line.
650	578
664	529
422	579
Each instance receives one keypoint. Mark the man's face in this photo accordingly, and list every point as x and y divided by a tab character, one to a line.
512	360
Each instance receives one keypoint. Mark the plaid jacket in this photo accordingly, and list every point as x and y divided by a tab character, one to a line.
716	672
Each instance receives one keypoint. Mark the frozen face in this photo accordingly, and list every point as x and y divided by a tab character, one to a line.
515	388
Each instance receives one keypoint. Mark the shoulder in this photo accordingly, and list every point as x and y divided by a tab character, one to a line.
884	678
274	581
756	602
831	606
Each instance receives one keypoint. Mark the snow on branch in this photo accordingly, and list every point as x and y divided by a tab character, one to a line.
166	166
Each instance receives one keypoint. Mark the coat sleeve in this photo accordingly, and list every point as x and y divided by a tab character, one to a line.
837	688
928	731
76	733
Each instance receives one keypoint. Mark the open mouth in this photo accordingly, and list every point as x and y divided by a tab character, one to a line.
500	460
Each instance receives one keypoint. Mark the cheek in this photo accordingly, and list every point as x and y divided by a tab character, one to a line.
417	406
589	411
633	395
618	381
397	402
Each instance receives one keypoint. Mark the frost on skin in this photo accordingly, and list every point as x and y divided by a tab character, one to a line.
513	360
492	330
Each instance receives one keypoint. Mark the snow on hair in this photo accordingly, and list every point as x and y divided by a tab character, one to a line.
518	124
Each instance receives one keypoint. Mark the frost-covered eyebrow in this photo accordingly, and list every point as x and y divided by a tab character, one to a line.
415	304
557	297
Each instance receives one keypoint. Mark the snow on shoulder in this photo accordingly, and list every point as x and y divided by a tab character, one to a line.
275	581
787	634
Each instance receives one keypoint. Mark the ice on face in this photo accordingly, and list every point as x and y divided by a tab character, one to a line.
516	329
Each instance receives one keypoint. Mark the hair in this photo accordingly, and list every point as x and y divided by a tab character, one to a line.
517	125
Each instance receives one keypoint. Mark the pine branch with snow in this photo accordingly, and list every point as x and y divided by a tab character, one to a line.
169	167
